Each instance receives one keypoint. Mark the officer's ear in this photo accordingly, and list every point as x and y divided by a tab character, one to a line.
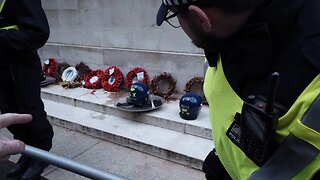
201	17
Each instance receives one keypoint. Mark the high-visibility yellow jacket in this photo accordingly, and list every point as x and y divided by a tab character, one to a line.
224	103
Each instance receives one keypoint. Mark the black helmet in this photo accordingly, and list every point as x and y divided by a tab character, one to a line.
138	94
190	106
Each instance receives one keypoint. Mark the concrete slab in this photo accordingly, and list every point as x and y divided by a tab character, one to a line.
136	165
66	143
69	144
123	161
110	157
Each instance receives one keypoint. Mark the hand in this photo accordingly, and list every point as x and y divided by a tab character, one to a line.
10	147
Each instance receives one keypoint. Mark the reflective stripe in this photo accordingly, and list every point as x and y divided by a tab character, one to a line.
2	4
165	2
291	157
10	27
177	2
169	2
294	153
311	117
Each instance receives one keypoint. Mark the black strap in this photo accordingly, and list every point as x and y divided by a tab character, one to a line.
312	115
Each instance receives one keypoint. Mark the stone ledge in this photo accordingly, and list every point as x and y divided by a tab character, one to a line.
101	101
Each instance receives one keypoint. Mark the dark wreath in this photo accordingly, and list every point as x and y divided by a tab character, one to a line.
112	79
132	75
192	82
155	84
60	68
82	70
88	77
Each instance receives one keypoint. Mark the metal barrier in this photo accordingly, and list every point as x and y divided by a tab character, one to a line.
68	164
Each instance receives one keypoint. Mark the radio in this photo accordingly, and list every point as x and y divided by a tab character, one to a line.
258	121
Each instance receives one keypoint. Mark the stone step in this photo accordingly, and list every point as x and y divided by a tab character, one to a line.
175	146
101	101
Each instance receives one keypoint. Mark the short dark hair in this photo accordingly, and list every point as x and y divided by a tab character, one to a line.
230	6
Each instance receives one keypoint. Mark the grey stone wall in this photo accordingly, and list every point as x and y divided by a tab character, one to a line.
119	32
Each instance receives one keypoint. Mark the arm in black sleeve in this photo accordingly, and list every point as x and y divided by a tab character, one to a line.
33	30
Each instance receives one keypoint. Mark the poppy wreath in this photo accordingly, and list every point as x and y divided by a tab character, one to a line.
155	84
49	67
88	79
112	79
69	74
133	75
192	82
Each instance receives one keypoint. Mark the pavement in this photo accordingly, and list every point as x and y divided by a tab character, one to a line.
123	161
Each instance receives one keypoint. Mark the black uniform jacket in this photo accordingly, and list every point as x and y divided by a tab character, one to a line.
33	29
282	36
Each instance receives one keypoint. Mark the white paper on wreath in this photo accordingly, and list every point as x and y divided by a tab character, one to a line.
140	76
69	74
111	71
134	80
111	80
47	62
94	79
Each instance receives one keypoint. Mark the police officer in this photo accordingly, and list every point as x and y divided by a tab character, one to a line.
263	127
24	29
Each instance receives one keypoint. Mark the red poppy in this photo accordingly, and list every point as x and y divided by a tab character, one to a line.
49	67
136	74
92	80
112	79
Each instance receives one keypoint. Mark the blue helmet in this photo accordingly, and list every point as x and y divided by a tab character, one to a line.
190	106
138	94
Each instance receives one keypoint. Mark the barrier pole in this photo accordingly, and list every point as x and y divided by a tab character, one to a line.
69	164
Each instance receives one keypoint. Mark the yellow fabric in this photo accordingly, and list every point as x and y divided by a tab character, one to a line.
1	5
224	103
307	134
10	27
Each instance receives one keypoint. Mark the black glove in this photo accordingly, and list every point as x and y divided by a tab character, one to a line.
213	168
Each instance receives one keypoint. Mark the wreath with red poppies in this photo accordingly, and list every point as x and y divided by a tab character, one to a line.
112	79
155	85
49	67
192	83
92	80
136	74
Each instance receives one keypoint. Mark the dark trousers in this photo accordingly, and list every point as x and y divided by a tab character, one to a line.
20	93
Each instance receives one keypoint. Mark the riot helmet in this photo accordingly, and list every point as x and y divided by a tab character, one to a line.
190	106
138	94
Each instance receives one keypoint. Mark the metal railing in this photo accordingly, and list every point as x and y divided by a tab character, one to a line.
69	164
